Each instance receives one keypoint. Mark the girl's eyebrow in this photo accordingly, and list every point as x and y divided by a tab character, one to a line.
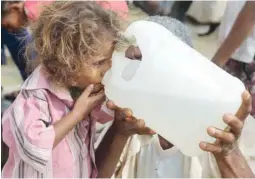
104	56
101	60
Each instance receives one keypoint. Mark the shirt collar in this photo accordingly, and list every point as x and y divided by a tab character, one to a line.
39	80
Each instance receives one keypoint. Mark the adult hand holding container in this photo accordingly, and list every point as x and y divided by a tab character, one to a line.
177	91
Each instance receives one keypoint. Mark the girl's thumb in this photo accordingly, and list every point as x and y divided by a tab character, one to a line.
88	91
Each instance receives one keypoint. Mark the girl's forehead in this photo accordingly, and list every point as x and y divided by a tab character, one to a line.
104	52
105	48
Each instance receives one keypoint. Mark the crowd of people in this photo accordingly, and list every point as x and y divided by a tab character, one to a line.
51	126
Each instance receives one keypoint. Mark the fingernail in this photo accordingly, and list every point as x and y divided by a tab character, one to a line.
246	95
227	118
202	145
211	130
152	132
91	86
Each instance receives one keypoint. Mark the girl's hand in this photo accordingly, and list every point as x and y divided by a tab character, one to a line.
226	141
87	102
126	124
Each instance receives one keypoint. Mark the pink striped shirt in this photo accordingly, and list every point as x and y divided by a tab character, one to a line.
29	133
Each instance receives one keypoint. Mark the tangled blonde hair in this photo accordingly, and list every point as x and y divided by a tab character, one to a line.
67	33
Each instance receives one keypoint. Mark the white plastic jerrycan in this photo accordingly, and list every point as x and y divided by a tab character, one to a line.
176	90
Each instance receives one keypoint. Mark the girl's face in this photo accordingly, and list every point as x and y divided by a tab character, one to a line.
97	67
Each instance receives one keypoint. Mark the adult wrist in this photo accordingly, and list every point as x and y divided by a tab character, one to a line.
119	132
229	157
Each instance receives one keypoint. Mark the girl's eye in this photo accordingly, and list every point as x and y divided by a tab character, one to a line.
100	63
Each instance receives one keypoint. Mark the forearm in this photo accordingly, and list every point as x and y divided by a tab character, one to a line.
234	166
65	125
241	29
109	152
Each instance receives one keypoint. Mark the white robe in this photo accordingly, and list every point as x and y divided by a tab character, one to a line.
203	166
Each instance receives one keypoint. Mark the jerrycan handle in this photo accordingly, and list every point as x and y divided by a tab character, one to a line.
119	61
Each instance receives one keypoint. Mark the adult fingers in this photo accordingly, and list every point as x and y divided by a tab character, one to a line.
246	107
111	105
208	147
141	129
223	136
124	113
133	53
235	124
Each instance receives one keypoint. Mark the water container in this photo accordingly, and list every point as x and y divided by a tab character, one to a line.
176	90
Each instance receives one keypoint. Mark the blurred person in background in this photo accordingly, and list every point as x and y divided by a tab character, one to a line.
174	9
237	37
14	36
18	14
206	16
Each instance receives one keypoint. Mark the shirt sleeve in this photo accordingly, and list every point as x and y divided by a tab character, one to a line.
33	133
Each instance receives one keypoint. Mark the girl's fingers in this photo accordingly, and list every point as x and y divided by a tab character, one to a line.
100	96
225	137
213	148
87	91
246	106
234	123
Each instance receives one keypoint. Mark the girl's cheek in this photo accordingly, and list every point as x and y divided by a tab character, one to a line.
95	76
106	67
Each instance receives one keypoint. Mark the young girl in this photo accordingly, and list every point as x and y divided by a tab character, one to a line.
50	131
17	14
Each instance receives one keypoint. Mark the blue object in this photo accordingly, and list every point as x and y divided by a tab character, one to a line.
16	44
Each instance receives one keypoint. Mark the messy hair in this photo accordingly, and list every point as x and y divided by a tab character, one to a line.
67	33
